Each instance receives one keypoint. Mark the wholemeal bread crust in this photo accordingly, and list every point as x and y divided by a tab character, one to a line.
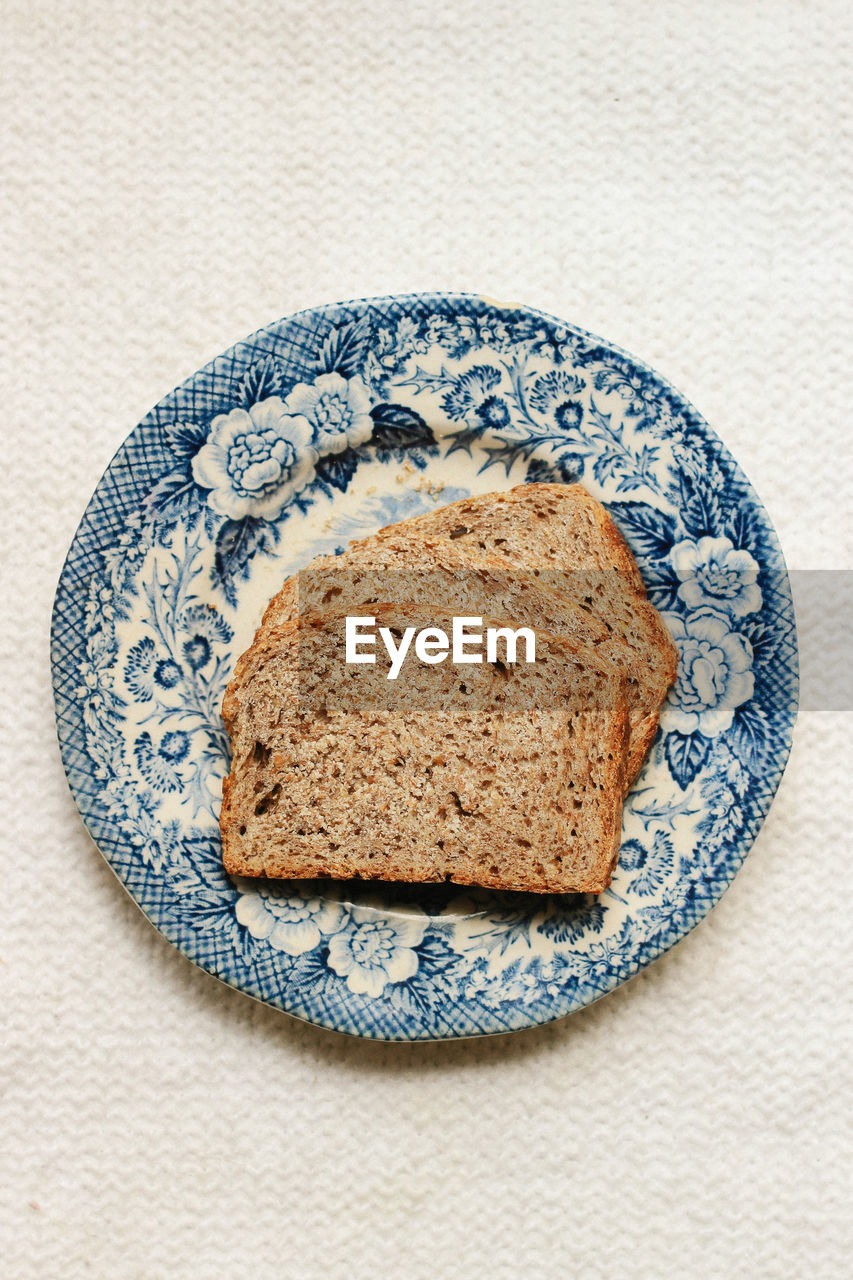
606	547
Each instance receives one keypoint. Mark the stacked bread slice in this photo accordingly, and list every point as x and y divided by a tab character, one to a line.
505	775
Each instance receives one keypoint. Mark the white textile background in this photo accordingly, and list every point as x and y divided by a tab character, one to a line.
673	176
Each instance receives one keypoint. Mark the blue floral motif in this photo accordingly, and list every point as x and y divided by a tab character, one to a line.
651	867
493	413
338	410
470	390
637	387
197	652
561	345
158	766
139	669
552	392
167	673
255	460
287	916
174	746
568	924
713	575
205	628
355	417
378	948
201	621
462	333
723	793
569	415
714	674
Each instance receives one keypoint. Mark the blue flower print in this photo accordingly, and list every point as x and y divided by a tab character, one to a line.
337	410
383	357
495	333
167	673
561	345
555	395
723	793
255	460
569	415
651	867
409	337
287	915
714	674
635	386
457	334
204	620
571	919
139	670
469	390
159	839
494	413
158	767
378	948
197	652
716	576
175	746
554	389
204	627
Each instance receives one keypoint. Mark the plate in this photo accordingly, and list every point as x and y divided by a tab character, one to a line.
324	427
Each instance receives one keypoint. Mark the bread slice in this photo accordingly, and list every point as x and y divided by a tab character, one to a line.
460	780
432	572
560	526
567	540
411	564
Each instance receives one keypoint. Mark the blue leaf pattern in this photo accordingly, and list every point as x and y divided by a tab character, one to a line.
685	755
343	349
265	378
337	469
236	543
649	532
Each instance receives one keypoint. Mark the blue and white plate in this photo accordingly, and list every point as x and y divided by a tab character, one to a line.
322	428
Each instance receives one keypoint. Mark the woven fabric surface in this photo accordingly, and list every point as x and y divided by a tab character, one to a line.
676	178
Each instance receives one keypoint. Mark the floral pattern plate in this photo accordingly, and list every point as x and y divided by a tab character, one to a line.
324	427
